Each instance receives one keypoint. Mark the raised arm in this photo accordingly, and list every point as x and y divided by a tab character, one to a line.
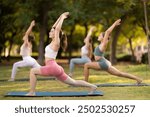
58	27
55	24
27	33
88	37
110	29
90	32
107	33
29	30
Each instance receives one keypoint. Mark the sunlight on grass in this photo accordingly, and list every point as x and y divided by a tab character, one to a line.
96	77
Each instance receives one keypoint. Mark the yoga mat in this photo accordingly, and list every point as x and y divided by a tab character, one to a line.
55	94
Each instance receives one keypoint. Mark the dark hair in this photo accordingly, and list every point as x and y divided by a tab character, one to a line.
63	40
90	50
31	38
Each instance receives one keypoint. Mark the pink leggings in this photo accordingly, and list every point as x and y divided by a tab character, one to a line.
53	69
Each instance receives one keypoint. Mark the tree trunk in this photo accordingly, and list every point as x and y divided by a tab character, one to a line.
41	45
148	50
70	42
131	48
42	35
114	45
147	30
1	48
11	41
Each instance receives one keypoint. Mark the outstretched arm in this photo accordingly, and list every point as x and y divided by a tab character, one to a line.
89	35
54	26
27	33
29	30
58	27
110	29
107	33
90	32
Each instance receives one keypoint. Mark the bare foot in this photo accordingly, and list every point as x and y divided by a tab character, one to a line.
139	81
31	94
93	89
70	75
11	80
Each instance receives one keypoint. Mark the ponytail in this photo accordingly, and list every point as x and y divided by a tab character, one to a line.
31	38
63	40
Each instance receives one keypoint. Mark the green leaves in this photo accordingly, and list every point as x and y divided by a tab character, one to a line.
15	15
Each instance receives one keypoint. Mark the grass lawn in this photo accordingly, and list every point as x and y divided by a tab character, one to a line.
96	77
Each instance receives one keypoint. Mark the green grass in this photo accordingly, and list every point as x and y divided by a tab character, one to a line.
96	77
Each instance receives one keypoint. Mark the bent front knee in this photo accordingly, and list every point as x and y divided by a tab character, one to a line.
72	61
86	65
15	65
32	71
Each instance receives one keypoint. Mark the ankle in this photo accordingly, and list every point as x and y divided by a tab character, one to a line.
70	75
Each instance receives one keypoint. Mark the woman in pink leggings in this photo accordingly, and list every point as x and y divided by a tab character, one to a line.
52	68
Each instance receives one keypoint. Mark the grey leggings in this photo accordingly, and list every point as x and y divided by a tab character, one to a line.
81	60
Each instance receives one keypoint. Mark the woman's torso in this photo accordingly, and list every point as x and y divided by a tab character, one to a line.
84	51
50	53
25	50
98	54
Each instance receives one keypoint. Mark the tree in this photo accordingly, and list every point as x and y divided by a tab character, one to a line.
147	29
83	13
7	23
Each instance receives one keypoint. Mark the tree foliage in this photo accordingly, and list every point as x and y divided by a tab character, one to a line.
16	15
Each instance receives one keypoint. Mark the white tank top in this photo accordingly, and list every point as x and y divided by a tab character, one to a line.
25	51
84	51
50	53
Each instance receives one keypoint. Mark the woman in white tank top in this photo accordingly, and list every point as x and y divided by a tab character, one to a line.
52	68
25	52
86	53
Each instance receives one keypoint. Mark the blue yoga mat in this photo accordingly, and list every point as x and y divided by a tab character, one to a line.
55	94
